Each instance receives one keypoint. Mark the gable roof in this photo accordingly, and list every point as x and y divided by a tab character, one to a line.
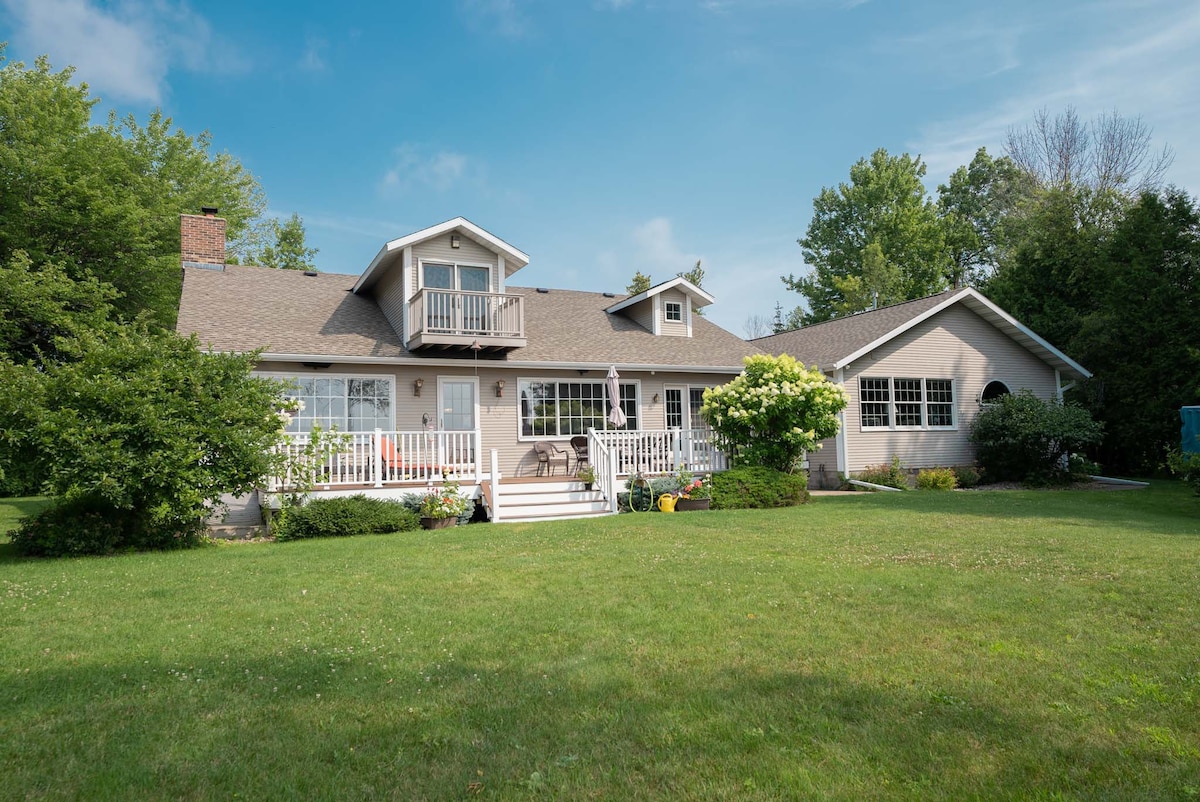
514	259
834	344
697	296
301	318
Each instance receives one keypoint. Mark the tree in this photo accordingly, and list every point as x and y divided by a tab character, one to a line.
288	251
1111	153
639	284
878	234
102	202
144	430
757	326
773	412
1139	340
43	313
979	209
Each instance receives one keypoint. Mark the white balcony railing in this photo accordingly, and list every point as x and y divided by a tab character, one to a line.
371	459
466	314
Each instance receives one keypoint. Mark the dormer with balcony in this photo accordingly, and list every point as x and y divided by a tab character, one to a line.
665	309
443	288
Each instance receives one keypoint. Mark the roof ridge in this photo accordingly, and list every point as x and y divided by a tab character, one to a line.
860	315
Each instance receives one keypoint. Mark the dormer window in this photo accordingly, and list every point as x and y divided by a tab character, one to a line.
673	311
466	278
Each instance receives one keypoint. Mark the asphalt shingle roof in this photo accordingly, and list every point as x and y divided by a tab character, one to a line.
823	344
286	312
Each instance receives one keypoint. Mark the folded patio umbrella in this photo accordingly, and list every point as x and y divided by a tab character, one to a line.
616	415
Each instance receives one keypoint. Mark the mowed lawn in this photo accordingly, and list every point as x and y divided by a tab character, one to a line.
1016	645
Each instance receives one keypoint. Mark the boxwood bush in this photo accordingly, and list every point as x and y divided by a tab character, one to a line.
1022	438
756	487
348	515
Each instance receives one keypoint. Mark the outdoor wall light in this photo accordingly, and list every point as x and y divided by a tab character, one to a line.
500	388
417	385
656	398
455	241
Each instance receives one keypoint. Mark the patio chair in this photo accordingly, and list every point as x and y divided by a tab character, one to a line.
547	454
579	443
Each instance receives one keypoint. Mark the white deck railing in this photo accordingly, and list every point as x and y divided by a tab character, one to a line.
486	314
659	451
373	458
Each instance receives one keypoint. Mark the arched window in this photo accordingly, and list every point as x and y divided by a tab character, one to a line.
992	391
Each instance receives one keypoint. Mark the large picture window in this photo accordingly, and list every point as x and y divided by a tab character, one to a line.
905	403
352	404
563	409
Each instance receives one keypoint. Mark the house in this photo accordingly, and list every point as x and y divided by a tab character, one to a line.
917	373
433	360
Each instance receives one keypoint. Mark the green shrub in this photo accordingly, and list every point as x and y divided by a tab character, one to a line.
1020	437
937	479
756	487
1186	467
89	525
967	475
890	475
348	515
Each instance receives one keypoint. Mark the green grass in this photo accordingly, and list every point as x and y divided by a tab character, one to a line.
1017	645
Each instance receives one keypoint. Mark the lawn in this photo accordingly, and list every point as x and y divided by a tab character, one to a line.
1013	645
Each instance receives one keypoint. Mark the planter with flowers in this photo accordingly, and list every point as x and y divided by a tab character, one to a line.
693	492
443	506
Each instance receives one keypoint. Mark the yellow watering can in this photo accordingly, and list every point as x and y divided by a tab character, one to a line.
666	502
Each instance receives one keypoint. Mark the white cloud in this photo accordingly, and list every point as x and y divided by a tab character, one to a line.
313	58
126	50
656	253
499	17
416	166
1146	68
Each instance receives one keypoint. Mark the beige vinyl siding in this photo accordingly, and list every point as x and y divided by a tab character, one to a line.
956	344
438	250
822	466
671	328
499	417
642	314
389	294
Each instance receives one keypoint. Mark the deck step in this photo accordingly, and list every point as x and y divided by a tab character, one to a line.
549	501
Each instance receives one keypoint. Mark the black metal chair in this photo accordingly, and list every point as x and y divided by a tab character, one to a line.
579	443
547	453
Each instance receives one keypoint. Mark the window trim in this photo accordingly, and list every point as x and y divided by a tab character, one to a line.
667	309
893	405
533	438
390	378
455	265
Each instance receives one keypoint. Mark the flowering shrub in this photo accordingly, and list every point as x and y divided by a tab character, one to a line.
444	502
773	412
688	485
887	474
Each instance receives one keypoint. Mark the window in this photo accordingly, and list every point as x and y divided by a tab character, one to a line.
674	407
562	409
992	391
352	404
874	406
673	311
896	403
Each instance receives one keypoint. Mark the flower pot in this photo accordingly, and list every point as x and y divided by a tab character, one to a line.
587	486
439	523
684	504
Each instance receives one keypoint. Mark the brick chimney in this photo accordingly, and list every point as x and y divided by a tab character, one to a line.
202	239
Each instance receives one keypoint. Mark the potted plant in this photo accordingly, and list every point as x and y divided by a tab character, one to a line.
442	507
587	475
694	493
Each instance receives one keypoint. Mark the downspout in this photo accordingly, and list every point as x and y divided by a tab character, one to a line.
839	441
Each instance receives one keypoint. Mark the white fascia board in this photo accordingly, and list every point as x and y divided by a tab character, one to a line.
958	297
691	290
517	257
491	363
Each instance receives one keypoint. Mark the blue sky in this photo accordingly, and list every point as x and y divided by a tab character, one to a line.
608	136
